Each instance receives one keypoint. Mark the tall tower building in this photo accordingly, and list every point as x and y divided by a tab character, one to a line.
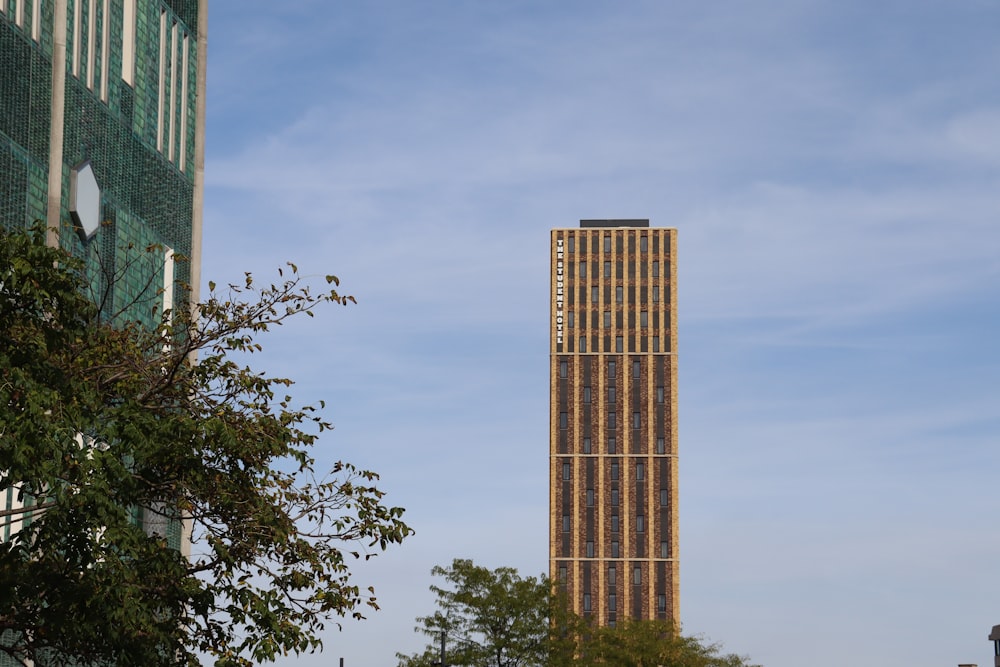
613	419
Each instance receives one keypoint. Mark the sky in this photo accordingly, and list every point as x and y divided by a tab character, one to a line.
832	168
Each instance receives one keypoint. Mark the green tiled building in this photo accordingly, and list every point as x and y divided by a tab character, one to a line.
102	137
117	85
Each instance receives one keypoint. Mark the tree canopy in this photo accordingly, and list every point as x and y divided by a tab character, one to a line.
651	643
496	618
113	441
491	618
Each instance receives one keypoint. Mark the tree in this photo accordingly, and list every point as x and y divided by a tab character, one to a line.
493	618
113	439
651	643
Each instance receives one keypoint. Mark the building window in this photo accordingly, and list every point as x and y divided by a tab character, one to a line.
612	575
607	269
583	270
664	550
185	51
563	420
563	369
656	269
586	445
77	36
571	244
614	497
636	575
619	344
590	549
643	243
615	551
607	244
567	468
656	343
565	523
607	319
172	131
659	395
612	444
640	471
611	368
640	523
636	420
611	395
619	294
570	319
562	573
664	497
590	497
586	601
36	20
612	602
614	523
618	269
128	41
660	446
583	343
656	293
661	603
614	470
593	294
636	369
586	394
92	42
643	319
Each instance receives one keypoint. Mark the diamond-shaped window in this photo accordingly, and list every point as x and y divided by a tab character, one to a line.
85	200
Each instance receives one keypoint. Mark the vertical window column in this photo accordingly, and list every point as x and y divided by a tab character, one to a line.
105	47
91	42
77	36
162	85
128	42
36	20
185	48
174	79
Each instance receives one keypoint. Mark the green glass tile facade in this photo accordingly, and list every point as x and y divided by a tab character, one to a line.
139	136
129	108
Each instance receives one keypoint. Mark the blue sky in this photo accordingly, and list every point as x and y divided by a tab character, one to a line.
832	167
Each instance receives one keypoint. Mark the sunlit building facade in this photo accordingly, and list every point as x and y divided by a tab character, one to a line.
613	419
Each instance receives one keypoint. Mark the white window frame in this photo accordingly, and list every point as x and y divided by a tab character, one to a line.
128	41
162	85
36	20
105	47
91	41
77	36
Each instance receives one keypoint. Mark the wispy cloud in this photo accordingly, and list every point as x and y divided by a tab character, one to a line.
832	168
